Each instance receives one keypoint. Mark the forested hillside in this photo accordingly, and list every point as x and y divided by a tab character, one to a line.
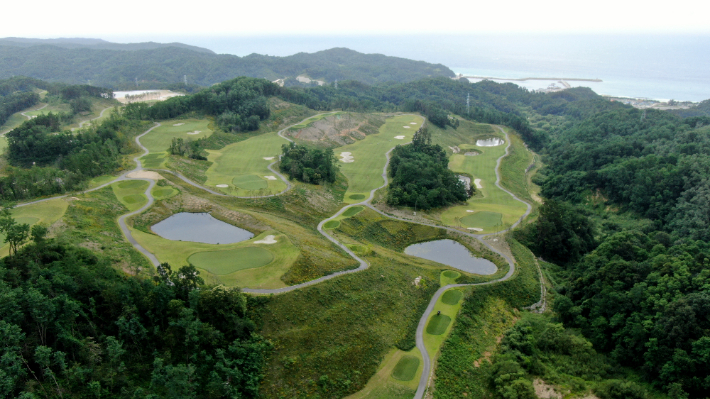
165	65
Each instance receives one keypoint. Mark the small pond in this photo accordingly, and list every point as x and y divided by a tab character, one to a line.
199	227
491	142
451	253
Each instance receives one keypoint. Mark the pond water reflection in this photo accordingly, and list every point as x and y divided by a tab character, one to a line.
451	253
199	227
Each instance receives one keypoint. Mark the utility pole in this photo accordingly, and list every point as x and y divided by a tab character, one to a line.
468	103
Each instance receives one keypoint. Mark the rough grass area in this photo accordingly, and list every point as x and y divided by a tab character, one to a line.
330	338
230	261
513	167
452	297
406	368
337	129
438	324
365	173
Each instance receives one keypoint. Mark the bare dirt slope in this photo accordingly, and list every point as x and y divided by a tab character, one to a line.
338	130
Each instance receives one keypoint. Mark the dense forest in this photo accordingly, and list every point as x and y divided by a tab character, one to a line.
87	330
158	66
309	165
421	177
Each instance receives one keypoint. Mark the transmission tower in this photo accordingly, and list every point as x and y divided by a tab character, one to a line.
468	103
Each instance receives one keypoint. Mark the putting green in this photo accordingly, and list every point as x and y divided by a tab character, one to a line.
331	224
350	212
161	193
406	368
437	324
230	261
131	193
250	182
242	166
494	209
452	297
451	274
483	220
365	172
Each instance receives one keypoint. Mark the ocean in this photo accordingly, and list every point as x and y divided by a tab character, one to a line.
658	67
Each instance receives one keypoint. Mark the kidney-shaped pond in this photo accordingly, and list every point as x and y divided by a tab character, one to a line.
199	227
451	253
491	142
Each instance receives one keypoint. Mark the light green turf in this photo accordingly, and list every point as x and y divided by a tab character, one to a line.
161	193
451	297
159	139
99	180
244	163
383	385
438	324
331	224
312	119
483	219
55	109
350	212
489	199
365	172
3	144
131	193
46	213
232	260
406	368
176	253
250	182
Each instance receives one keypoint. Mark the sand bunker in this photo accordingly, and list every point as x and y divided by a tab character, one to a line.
412	123
406	127
477	182
470	211
417	280
144	174
267	240
491	142
195	132
268	158
270	177
222	185
399	137
178	124
346	157
475	229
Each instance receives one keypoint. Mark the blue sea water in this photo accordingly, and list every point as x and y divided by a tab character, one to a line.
650	66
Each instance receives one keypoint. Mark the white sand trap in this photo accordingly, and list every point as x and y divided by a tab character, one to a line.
346	157
195	132
406	127
222	185
417	280
145	174
75	198
270	177
268	158
470	211
399	137
475	229
267	240
477	182
412	123
178	124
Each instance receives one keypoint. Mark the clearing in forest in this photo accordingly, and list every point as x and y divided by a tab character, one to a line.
242	166
365	172
159	139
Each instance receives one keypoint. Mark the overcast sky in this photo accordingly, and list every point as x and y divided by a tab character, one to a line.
153	20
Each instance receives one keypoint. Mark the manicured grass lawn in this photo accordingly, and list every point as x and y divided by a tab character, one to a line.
365	172
177	253
131	193
438	324
494	209
483	219
46	213
242	167
153	161
406	368
230	261
353	211
159	139
161	193
452	297
384	385
50	108
12	122
331	224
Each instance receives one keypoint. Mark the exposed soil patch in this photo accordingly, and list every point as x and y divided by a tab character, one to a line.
544	390
145	174
339	130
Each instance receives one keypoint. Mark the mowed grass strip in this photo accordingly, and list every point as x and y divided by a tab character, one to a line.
350	212
452	297
406	368
483	219
331	224
230	261
438	324
242	167
161	193
365	172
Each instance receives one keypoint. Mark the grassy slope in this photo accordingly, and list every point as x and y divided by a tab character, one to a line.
158	140
45	213
365	173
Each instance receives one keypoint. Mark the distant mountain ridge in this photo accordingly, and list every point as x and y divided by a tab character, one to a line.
155	65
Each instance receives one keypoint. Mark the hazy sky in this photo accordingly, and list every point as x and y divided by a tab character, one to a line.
147	19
